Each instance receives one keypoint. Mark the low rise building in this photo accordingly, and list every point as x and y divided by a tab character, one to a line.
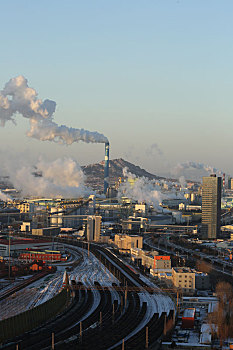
202	280
126	242
45	256
150	259
46	231
16	246
25	227
184	278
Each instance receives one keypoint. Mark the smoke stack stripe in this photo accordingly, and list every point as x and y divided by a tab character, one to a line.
106	168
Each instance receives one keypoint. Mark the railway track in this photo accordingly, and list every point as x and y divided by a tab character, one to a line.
19	286
109	322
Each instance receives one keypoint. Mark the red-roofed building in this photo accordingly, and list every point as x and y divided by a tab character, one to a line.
20	244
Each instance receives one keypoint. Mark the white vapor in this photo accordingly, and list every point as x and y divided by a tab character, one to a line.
4	197
180	167
142	190
60	178
182	181
18	97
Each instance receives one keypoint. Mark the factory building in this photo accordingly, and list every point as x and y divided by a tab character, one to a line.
46	231
211	207
45	256
18	245
25	207
126	242
106	168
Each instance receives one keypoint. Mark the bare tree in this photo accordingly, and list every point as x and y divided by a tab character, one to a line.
222	317
203	266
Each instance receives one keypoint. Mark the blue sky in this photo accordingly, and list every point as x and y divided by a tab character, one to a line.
141	72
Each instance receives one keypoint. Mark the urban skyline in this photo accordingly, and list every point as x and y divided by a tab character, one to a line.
116	189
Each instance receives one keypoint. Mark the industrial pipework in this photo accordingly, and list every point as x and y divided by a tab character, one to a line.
106	168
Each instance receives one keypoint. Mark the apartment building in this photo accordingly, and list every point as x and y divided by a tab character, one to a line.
184	278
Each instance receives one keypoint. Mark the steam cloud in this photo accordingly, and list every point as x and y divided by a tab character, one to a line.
18	97
4	197
182	181
60	178
142	190
193	165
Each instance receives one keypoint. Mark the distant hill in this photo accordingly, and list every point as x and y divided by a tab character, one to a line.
95	172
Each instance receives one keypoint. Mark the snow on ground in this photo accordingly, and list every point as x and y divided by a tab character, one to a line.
40	291
16	303
91	270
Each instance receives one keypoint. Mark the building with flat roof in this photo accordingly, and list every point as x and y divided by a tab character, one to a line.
211	207
184	279
126	242
93	227
16	245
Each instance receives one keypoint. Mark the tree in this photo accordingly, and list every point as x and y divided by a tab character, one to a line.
203	266
222	317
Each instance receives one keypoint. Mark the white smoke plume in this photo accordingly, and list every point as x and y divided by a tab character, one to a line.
180	167
141	189
4	197
182	182
60	178
18	97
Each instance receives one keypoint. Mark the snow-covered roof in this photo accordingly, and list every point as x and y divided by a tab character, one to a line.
190	313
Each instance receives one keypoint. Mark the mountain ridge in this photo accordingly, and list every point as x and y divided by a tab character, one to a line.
95	172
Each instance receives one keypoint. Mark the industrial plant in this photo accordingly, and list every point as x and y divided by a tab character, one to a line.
108	255
138	242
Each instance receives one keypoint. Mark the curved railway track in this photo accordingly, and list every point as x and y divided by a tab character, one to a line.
115	317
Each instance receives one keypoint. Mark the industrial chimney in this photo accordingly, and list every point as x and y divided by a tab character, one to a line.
106	168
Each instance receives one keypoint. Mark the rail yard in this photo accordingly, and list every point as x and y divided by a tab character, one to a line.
112	307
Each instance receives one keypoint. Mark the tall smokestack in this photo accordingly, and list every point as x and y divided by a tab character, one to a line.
106	168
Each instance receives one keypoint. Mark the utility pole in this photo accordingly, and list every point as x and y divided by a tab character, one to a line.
147	338
53	341
123	344
121	303
125	294
113	312
165	325
9	261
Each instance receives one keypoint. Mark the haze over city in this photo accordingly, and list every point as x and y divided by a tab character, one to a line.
116	185
156	77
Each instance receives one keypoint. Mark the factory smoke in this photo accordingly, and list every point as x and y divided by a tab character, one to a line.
145	190
182	182
60	178
4	197
181	167
140	189
18	98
